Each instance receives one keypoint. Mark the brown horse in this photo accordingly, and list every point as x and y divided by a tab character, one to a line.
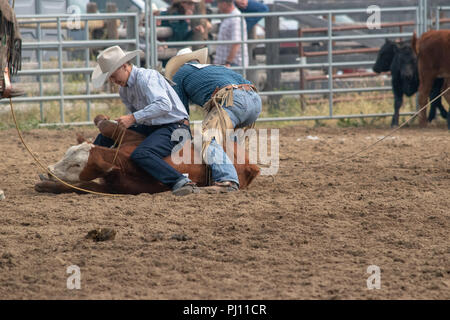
118	174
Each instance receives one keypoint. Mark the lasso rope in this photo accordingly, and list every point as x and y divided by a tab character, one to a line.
381	139
46	169
51	173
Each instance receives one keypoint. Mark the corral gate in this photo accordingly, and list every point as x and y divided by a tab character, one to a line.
150	44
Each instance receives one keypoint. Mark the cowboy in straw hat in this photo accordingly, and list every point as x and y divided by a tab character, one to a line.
229	100
155	111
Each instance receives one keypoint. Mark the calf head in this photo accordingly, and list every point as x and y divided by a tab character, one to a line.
81	163
385	56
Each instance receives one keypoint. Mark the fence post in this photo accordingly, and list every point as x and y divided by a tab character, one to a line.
61	75
273	57
131	30
153	39
253	75
301	54
438	17
147	49
87	57
243	44
111	24
91	7
330	64
136	32
39	57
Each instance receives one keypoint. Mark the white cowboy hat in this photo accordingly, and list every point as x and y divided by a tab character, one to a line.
183	56
109	60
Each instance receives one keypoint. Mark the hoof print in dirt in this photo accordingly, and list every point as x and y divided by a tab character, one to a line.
179	237
102	234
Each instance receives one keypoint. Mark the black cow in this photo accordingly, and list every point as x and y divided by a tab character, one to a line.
401	60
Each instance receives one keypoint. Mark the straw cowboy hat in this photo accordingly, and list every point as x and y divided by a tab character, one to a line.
183	56
109	60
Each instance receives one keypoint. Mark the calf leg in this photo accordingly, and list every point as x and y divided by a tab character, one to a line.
435	91
447	98
424	90
49	186
448	120
426	83
398	101
110	133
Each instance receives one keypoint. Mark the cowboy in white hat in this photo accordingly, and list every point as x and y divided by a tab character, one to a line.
229	100
155	111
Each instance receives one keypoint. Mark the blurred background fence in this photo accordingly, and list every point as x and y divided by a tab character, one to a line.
317	53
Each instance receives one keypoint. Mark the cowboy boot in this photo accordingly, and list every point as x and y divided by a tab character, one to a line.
8	90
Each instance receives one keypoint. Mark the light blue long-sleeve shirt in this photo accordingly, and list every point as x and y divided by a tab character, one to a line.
151	99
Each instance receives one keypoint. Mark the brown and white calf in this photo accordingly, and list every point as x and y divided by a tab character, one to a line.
86	162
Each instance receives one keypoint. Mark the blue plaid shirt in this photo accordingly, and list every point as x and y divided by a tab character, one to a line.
151	99
197	85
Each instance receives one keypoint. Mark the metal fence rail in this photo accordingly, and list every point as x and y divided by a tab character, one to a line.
152	43
61	44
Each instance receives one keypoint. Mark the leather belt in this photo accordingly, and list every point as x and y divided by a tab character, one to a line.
184	121
243	86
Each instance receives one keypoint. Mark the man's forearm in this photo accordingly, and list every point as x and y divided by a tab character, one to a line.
233	52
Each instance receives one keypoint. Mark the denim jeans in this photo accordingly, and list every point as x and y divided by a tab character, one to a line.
245	110
150	153
222	168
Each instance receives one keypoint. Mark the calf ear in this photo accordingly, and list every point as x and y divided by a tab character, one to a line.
99	118
80	138
96	167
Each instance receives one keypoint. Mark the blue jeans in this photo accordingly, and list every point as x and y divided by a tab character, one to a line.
246	108
222	168
244	111
150	153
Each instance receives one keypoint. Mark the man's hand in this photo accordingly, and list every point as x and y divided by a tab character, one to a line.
126	121
199	28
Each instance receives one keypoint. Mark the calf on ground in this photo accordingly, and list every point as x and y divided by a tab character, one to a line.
86	162
432	50
401	61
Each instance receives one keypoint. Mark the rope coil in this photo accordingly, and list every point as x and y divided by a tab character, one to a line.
49	172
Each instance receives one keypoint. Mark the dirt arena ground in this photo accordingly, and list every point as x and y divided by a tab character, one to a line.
307	233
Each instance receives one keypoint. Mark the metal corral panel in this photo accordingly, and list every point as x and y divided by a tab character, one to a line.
25	7
30	7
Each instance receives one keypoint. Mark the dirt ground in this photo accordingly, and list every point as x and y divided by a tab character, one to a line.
306	233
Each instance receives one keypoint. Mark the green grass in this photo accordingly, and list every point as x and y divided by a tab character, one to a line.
29	115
